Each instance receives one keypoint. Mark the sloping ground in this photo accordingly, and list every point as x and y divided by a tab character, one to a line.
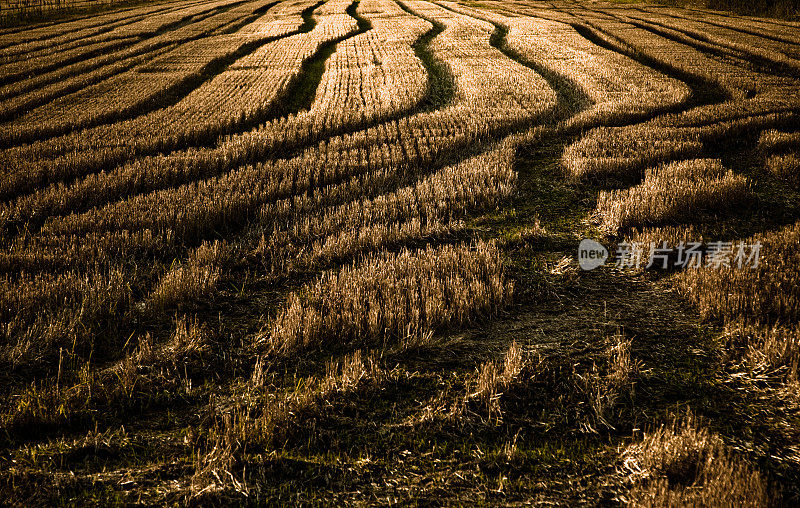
325	252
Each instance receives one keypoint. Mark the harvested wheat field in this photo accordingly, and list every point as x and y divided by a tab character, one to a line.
398	251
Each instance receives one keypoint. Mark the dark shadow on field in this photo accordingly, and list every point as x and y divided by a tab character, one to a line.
565	315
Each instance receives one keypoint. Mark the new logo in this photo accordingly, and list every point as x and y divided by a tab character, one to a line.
591	254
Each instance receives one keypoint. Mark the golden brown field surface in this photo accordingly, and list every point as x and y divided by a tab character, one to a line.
326	252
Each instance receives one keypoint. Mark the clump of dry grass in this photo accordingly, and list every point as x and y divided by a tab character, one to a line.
618	153
766	293
433	206
187	346
686	465
785	167
672	193
43	312
520	382
651	238
765	351
184	285
621	153
596	397
492	378
392	297
774	140
485	391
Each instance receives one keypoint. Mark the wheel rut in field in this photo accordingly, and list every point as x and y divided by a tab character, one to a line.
107	30
728	55
736	17
9	78
236	25
569	93
130	60
441	86
300	96
297	97
704	91
171	95
13	77
454	155
103	29
183	21
304	89
709	49
571	99
439	91
742	30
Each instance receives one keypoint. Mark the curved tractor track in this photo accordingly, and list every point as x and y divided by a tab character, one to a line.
300	251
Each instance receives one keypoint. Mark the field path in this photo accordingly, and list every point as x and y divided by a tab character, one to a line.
324	251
